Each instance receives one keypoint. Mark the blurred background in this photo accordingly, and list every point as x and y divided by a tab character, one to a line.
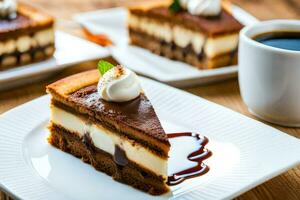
262	9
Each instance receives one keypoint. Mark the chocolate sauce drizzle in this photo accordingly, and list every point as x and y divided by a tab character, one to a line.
198	156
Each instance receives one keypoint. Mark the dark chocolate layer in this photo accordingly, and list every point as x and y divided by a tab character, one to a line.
130	173
212	26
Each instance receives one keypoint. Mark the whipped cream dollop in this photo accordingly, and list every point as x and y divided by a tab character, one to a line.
119	84
8	9
202	7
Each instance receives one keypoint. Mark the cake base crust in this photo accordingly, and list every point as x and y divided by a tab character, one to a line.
186	55
130	174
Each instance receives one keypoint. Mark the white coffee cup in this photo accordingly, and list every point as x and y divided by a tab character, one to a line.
269	77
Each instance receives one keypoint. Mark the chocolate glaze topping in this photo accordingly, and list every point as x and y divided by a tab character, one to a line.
137	114
20	25
198	156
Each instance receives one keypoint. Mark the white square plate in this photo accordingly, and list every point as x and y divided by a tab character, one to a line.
112	22
70	50
245	152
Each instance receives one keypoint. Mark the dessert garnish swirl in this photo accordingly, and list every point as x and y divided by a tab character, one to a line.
117	84
197	156
8	9
206	8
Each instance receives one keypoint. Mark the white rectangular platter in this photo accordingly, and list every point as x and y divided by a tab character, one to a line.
246	152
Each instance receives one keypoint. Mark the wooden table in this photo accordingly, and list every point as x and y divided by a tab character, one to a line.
285	186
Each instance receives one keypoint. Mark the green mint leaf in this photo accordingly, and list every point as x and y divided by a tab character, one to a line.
175	6
104	66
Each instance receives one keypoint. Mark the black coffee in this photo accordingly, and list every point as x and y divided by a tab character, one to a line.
283	40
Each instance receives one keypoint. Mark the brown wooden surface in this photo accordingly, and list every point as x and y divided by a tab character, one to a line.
285	186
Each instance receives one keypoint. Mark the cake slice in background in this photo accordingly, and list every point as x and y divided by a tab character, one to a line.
26	34
204	34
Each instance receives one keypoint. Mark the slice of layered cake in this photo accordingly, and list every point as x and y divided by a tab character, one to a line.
108	122
198	32
26	34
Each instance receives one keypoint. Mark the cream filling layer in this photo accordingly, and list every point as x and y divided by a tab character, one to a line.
107	140
25	43
213	46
